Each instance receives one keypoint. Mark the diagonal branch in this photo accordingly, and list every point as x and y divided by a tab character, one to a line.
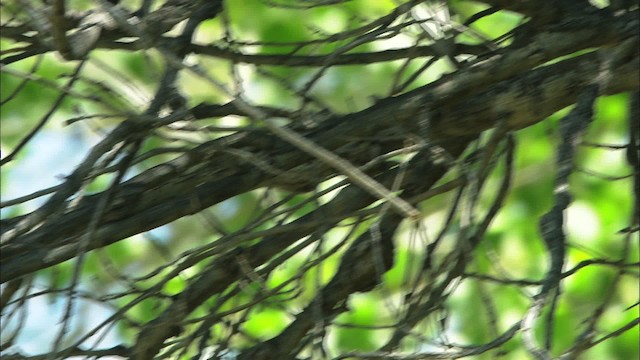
206	175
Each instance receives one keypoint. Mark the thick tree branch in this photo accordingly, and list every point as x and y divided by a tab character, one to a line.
208	174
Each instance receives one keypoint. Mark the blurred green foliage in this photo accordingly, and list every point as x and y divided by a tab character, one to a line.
512	245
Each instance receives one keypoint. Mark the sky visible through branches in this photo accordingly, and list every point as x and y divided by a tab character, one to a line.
319	179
